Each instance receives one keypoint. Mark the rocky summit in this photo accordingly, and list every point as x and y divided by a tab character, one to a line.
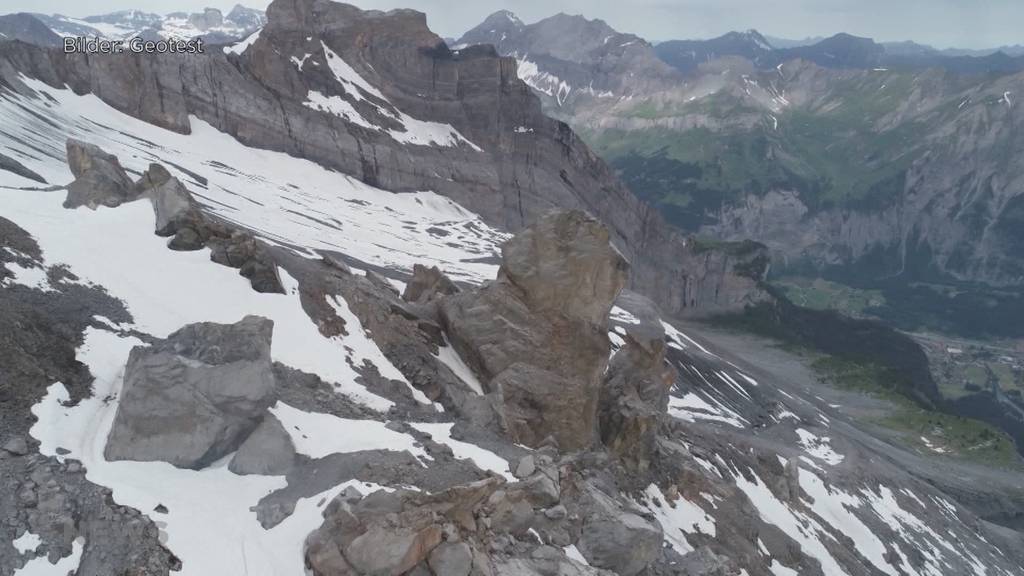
335	297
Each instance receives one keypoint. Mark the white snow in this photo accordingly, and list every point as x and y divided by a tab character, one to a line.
242	46
41	566
179	288
834	506
300	62
573	553
482	458
933	546
622	315
678	519
317	435
801	528
285	200
933	447
747	378
32	277
543	82
414	131
27	542
450	358
692	407
778	569
354	84
360	348
819	448
681	341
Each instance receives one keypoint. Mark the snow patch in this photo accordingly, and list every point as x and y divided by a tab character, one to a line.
819	448
317	435
27	542
678	519
483	459
41	566
242	46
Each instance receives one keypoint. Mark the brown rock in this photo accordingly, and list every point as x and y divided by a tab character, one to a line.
538	334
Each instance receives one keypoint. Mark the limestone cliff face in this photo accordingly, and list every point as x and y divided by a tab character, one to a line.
285	92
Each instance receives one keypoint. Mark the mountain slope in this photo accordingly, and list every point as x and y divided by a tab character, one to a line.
686	55
841	157
26	28
509	163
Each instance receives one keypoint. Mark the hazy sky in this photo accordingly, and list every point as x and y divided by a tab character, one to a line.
942	23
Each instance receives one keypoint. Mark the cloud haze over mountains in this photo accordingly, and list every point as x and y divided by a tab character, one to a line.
942	23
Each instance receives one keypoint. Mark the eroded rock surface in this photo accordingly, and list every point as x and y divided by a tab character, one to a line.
99	178
538	333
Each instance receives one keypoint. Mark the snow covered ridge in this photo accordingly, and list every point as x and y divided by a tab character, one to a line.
210	23
541	81
357	89
282	199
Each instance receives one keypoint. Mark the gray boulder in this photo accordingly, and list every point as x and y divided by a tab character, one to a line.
268	450
172	203
99	178
17	446
624	543
195	397
451	559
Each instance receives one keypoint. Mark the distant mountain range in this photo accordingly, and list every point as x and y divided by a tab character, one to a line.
211	24
869	161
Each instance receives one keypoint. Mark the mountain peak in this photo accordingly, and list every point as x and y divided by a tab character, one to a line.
503	18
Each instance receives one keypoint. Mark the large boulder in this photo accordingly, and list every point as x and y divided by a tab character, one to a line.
172	202
537	335
195	397
99	178
625	543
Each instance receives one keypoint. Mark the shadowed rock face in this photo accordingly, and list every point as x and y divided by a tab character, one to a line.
523	163
194	397
538	334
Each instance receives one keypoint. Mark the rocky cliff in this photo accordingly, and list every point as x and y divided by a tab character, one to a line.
380	97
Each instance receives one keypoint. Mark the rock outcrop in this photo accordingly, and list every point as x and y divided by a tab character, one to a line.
485	528
634	394
537	335
99	178
195	397
427	284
